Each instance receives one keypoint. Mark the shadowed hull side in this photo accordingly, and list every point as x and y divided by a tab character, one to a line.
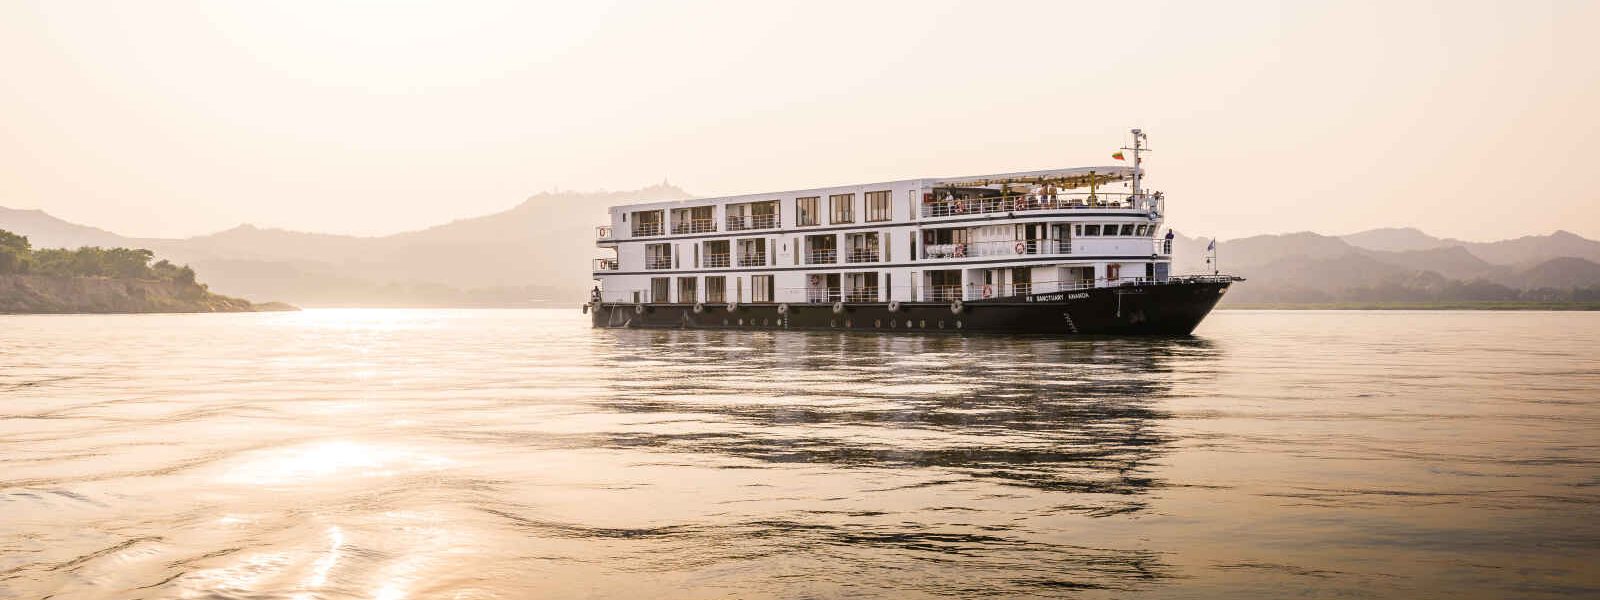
1163	309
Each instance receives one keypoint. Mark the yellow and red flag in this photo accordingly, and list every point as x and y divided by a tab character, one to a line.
1118	155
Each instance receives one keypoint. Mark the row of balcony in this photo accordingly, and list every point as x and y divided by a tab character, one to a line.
872	255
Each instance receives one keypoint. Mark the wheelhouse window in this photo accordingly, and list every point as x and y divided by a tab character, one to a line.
761	289
716	288
806	212
1127	229
658	256
1091	230
841	208
658	289
878	208
647	222
687	290
716	254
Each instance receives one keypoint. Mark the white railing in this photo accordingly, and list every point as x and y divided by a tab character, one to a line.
646	229
819	257
1060	201
756	259
658	263
715	260
605	264
742	223
997	248
862	294
694	226
863	255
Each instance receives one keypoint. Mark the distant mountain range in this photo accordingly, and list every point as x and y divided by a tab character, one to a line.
536	254
1399	264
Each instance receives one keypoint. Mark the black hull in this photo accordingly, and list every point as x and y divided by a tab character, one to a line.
1159	309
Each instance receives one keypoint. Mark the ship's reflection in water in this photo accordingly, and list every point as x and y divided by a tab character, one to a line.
978	460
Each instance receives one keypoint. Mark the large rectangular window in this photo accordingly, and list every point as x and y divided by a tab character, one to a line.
716	254
841	208
687	290
806	212
761	288
878	208
658	289
658	256
716	288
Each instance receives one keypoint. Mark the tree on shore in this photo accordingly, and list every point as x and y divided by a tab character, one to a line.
18	256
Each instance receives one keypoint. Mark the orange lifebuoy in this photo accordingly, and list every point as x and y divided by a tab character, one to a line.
1022	247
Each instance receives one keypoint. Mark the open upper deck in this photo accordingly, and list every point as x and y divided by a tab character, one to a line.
901	201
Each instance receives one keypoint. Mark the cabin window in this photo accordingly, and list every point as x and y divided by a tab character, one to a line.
1091	230
753	252
805	210
761	289
878	206
658	256
1141	230
1113	272
1127	229
841	208
658	289
687	292
716	288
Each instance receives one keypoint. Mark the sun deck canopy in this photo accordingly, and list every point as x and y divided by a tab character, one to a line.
1063	178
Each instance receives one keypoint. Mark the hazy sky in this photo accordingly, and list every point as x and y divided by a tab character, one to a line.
1474	120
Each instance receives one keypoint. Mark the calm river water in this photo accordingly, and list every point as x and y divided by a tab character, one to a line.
519	454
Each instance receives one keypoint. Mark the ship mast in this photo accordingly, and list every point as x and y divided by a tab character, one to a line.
1138	146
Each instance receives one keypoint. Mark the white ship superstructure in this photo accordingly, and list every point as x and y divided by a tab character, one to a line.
919	240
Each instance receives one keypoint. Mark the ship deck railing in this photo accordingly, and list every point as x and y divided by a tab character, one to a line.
646	229
821	257
694	226
605	264
715	261
757	259
951	207
998	248
747	222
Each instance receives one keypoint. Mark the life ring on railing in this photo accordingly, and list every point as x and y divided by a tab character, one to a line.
783	309
699	308
733	306
988	291
894	306
956	306
638	309
838	307
961	250
1022	248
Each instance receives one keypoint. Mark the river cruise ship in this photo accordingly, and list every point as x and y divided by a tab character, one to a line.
1060	251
